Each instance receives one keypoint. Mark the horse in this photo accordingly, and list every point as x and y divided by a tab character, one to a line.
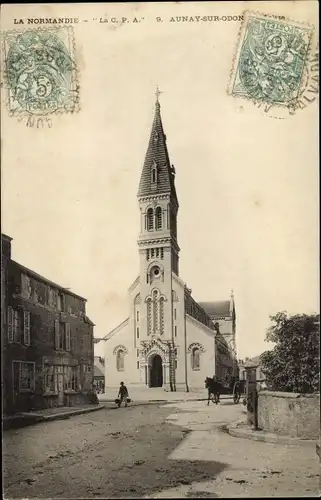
213	388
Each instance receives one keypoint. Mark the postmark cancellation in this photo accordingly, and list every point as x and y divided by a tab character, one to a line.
41	75
271	60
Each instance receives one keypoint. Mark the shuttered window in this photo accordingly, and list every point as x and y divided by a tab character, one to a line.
57	334
62	336
78	379
67	334
26	327
150	219
17	327
158	218
10	325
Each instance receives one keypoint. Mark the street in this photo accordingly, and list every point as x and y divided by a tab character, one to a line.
152	451
109	453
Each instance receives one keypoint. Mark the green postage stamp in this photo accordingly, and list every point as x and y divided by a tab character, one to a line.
271	59
40	71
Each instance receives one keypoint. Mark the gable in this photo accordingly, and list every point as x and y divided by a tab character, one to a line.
154	344
200	325
134	285
116	330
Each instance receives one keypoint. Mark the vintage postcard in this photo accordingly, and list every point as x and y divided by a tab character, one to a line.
159	249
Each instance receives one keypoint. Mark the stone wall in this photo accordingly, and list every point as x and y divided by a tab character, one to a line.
292	414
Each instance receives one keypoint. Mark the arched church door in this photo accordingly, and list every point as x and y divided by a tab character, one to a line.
156	372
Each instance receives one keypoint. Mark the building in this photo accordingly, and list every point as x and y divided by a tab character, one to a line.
222	314
168	340
5	260
47	340
99	373
256	361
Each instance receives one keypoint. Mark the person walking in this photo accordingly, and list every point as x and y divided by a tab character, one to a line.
123	394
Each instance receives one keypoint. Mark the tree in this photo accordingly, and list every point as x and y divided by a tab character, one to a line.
293	365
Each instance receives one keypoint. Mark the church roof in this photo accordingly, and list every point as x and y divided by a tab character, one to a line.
216	308
157	154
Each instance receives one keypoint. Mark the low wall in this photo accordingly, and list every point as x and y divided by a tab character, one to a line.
292	414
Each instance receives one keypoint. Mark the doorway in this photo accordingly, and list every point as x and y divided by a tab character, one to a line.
156	372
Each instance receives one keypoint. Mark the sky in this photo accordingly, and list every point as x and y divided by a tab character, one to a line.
247	184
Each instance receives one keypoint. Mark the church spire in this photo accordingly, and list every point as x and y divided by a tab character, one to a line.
158	174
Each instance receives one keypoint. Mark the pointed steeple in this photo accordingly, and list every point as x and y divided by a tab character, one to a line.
158	174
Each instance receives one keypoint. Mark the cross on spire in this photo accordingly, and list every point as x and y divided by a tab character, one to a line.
158	93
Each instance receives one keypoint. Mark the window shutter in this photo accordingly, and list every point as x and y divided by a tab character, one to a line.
17	322
67	332
26	327
10	325
33	380
78	378
57	334
56	378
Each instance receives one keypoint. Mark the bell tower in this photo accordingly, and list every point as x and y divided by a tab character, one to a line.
157	242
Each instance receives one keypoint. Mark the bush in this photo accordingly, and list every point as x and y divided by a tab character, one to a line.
293	365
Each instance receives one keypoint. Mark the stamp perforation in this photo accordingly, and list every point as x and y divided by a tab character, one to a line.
74	72
238	49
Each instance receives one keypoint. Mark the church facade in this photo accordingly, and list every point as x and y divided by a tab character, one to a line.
168	340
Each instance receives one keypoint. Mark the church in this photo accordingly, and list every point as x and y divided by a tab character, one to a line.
168	339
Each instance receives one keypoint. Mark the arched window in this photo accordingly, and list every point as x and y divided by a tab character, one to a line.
120	360
149	316
155	301
195	358
150	219
158	218
161	315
